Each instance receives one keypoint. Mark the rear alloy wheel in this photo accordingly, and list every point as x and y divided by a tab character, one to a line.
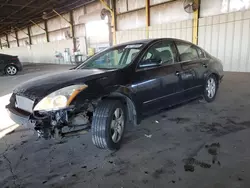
11	70
108	124
210	88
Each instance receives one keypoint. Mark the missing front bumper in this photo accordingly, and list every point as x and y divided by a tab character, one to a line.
56	124
20	119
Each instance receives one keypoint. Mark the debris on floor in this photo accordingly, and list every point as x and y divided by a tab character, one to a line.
148	136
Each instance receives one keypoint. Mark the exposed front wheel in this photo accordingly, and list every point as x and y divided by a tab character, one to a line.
11	70
108	124
211	87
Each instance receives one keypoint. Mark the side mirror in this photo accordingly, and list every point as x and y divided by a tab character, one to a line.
150	63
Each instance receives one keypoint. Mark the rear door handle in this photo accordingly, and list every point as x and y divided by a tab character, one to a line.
177	73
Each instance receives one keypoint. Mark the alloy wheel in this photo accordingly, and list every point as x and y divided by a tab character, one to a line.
211	88
11	70
117	125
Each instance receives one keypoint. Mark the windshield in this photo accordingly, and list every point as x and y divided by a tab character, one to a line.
114	58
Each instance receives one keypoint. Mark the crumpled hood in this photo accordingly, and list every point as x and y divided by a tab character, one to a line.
40	87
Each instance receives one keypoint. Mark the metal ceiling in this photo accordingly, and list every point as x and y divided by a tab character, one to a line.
18	13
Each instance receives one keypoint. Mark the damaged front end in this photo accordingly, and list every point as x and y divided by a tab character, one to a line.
65	122
56	115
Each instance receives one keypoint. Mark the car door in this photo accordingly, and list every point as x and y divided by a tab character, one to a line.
155	80
192	69
2	64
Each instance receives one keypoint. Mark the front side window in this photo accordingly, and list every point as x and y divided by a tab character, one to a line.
115	58
160	53
187	51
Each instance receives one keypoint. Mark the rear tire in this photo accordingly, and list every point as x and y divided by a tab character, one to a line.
108	124
11	70
210	89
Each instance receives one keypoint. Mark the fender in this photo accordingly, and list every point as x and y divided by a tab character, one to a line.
212	70
126	95
112	92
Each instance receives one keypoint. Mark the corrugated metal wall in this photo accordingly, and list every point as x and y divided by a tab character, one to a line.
182	30
227	37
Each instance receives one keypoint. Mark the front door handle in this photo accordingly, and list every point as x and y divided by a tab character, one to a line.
204	65
177	73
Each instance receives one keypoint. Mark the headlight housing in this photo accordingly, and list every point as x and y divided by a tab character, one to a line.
59	99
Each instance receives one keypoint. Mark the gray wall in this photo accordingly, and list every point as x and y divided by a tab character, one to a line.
181	30
227	37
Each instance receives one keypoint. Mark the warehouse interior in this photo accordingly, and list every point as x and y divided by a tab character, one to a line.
219	26
52	36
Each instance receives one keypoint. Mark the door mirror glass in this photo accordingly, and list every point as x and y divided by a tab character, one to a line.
150	63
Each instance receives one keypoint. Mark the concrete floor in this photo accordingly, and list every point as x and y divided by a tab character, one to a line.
194	145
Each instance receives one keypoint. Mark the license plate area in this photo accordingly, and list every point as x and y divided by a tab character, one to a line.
24	103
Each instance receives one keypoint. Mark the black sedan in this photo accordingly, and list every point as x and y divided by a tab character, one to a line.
116	87
9	64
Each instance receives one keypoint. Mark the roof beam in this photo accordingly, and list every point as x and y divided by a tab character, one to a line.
21	31
37	25
13	13
2	5
18	5
26	18
10	35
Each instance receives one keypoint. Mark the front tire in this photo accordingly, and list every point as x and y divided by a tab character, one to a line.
11	70
108	124
211	87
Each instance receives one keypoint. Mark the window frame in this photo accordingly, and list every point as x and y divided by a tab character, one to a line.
204	53
192	46
138	69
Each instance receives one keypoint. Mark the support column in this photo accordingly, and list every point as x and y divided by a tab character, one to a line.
46	30
114	20
30	41
196	23
72	29
147	9
17	40
7	40
113	14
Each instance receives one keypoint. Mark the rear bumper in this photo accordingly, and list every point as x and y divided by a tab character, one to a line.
20	66
221	78
19	118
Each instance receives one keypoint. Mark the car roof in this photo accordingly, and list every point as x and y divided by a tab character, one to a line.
147	41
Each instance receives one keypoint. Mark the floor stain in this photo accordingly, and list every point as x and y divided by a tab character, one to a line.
190	164
179	120
158	172
213	150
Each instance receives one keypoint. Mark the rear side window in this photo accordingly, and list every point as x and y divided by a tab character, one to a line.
187	51
201	53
